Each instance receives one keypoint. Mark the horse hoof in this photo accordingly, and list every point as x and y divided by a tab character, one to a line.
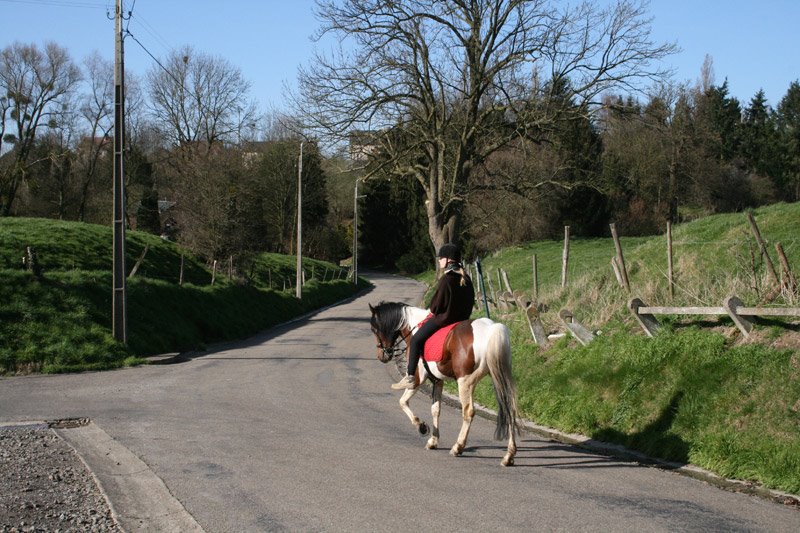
455	451
507	461
432	444
423	428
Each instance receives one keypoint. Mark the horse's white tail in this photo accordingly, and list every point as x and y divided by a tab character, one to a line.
498	359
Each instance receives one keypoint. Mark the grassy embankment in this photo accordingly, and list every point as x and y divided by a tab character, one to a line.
62	320
696	393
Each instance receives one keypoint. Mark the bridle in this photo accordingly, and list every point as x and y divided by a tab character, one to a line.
393	350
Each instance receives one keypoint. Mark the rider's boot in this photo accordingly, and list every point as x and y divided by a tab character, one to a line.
408	382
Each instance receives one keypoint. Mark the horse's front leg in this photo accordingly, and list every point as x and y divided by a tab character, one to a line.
465	388
436	406
421	426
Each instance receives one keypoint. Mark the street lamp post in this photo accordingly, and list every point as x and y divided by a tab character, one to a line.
299	290
355	232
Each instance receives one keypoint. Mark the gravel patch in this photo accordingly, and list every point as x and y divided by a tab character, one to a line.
44	485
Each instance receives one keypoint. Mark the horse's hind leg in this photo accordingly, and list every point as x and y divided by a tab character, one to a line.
433	442
465	388
508	459
421	426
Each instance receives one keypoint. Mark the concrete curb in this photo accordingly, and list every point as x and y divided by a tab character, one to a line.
139	500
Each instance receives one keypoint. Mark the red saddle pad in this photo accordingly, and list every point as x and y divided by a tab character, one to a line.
435	343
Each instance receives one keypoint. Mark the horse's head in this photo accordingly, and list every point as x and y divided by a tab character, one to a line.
387	323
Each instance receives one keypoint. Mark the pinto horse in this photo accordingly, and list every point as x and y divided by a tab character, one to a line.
473	349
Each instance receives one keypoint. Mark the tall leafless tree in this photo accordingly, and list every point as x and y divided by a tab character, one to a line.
97	114
34	81
200	99
446	84
202	105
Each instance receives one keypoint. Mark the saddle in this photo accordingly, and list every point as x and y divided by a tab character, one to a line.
432	352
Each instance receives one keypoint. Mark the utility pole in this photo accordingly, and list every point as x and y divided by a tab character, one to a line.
119	317
299	292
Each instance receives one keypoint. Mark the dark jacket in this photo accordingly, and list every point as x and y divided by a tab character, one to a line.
452	302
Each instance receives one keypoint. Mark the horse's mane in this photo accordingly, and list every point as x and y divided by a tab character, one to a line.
389	317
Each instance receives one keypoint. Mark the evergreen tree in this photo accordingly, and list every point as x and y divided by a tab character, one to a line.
759	138
722	116
393	228
788	122
147	214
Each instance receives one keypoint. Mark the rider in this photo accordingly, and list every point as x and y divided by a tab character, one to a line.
452	302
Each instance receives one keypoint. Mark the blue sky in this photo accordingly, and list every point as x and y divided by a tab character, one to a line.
754	43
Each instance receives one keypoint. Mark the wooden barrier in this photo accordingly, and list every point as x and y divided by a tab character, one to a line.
732	306
583	335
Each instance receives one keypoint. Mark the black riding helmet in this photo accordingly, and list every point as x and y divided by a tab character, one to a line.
450	251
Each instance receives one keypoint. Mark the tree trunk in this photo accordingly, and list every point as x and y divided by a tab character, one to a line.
11	194
441	228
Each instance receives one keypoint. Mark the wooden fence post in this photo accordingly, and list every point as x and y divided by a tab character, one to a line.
731	305
647	321
789	282
535	280
506	282
578	330
180	276
492	295
670	272
565	258
620	257
773	275
617	273
31	262
479	273
139	261
214	272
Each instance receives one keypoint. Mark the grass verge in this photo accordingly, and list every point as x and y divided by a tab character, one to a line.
696	393
60	321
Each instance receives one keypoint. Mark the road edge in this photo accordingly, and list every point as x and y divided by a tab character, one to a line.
139	500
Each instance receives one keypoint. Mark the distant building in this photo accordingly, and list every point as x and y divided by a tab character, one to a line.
102	146
362	144
164	206
252	150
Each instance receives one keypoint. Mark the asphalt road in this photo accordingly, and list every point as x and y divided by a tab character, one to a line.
296	429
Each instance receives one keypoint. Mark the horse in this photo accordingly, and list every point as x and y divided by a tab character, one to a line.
471	350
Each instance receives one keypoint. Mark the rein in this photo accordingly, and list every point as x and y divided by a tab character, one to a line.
394	350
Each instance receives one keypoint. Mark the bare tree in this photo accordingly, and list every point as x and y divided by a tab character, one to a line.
201	103
447	84
97	113
34	81
200	99
56	179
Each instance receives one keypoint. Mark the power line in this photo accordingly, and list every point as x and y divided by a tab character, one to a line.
70	3
150	29
130	15
154	58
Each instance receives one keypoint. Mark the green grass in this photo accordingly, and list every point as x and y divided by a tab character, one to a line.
712	260
276	271
61	321
696	393
70	246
